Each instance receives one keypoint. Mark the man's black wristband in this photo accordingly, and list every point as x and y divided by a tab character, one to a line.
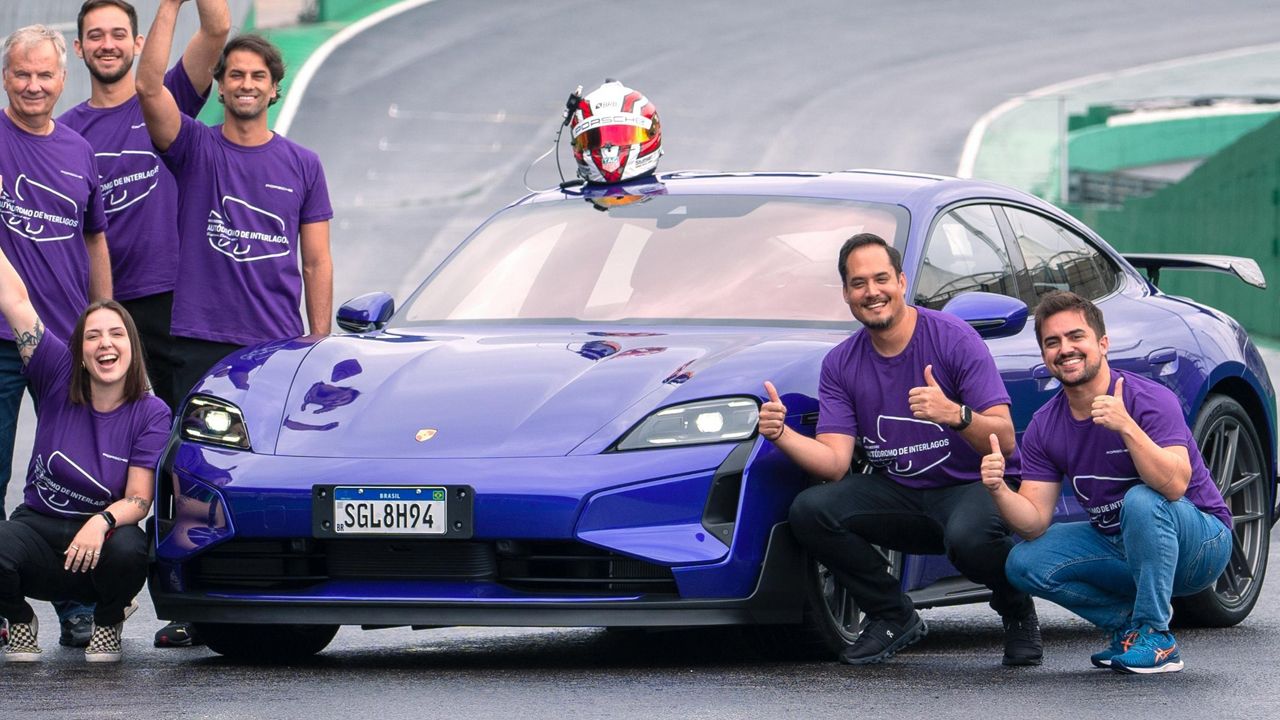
966	417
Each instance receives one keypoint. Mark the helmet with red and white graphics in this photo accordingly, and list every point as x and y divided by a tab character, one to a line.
616	134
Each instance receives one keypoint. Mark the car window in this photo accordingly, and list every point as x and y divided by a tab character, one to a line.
670	258
965	252
1058	258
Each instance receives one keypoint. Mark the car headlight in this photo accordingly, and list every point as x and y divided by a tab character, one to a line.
705	421
216	422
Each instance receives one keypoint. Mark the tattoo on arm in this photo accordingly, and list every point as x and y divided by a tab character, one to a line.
28	339
140	502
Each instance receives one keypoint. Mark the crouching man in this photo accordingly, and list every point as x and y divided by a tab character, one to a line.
1158	526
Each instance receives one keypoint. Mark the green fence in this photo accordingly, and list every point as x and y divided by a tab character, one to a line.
329	10
1230	205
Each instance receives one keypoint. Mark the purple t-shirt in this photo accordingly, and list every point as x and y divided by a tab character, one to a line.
81	458
865	395
49	201
1057	446
140	196
239	213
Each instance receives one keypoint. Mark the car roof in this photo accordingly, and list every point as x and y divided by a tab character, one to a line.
910	190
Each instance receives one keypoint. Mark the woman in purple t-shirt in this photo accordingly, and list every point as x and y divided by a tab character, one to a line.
99	433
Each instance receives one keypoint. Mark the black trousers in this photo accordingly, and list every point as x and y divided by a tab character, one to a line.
152	314
31	566
838	523
195	359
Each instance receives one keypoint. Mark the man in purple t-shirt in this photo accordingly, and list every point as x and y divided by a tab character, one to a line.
251	204
52	225
1158	526
919	391
139	192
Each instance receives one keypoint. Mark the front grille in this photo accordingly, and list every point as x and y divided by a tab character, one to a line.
577	568
537	567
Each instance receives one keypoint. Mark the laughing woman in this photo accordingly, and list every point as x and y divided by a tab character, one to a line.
99	433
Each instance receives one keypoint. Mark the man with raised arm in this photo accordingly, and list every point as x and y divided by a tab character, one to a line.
1158	526
251	206
52	225
140	195
251	203
919	391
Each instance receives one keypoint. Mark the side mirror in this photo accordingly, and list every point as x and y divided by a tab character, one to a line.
990	314
367	312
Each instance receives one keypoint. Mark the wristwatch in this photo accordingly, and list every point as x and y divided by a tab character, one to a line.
111	519
966	417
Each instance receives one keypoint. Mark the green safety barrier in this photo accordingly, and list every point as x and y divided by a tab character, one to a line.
329	10
1229	205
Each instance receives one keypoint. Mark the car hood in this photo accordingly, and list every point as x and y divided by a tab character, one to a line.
506	394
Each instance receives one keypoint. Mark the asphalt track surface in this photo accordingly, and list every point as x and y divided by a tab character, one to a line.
476	88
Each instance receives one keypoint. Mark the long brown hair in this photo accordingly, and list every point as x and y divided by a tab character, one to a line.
135	378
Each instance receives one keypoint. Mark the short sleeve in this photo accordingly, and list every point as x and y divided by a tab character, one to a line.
190	101
316	206
978	380
1036	463
49	369
151	433
835	406
95	213
1158	413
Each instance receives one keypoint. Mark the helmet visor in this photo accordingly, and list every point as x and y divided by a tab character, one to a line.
620	135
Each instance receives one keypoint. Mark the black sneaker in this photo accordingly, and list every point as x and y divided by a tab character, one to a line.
1022	645
76	631
881	639
177	634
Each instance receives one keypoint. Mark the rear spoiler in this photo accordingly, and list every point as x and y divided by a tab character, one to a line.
1243	268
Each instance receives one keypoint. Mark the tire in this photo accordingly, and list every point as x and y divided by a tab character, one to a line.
831	620
266	643
1235	459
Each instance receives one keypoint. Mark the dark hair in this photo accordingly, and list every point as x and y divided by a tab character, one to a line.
91	5
863	240
135	379
260	46
1064	301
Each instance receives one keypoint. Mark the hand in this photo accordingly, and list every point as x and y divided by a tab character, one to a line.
993	467
773	415
928	402
1109	411
86	547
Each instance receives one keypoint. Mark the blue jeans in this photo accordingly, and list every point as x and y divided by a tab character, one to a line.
12	384
1163	550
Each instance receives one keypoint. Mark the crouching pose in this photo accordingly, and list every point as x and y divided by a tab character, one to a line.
98	436
1158	527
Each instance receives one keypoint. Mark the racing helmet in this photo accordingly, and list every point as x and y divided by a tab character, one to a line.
616	134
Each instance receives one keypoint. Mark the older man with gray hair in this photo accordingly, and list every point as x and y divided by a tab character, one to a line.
52	223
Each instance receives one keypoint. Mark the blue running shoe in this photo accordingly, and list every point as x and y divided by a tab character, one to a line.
1154	651
1121	640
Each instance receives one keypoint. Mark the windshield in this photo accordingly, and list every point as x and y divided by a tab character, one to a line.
692	258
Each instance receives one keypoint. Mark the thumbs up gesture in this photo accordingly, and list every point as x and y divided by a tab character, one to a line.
773	415
1109	410
928	403
993	467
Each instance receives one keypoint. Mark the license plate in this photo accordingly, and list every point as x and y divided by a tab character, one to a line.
350	511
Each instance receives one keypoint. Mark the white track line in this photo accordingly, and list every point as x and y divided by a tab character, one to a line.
312	66
973	142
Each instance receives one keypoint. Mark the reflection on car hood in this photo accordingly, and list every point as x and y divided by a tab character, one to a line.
521	393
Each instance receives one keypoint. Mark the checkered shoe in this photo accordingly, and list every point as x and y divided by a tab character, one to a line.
104	645
22	642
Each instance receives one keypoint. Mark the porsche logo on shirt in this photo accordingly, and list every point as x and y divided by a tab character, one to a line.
425	434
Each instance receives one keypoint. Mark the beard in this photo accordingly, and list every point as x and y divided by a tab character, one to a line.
110	78
1087	373
240	113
